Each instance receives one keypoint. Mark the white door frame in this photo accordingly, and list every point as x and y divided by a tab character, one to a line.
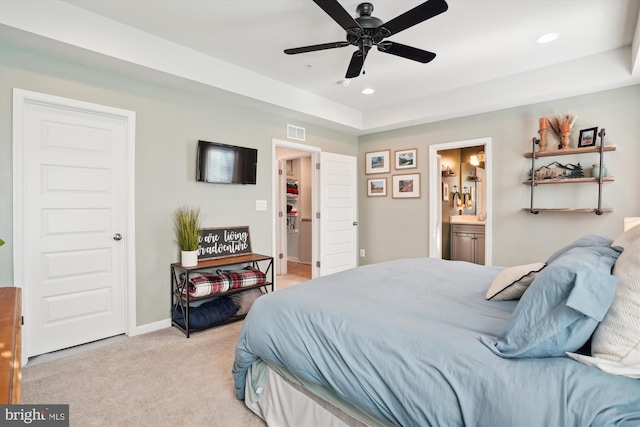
315	233
435	201
22	97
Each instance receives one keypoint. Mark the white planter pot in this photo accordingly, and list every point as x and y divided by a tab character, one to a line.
189	258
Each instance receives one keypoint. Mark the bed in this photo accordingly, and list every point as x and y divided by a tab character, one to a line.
417	342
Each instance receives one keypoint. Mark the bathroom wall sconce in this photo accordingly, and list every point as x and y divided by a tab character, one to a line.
475	161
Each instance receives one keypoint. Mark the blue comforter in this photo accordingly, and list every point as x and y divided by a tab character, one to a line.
400	340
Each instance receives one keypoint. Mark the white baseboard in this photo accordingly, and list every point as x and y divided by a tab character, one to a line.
151	327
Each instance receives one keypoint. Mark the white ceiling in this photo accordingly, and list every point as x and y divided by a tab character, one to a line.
487	57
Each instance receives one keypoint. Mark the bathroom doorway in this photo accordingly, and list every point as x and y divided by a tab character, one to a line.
460	189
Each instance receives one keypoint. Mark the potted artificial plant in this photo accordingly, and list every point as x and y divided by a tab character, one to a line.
187	225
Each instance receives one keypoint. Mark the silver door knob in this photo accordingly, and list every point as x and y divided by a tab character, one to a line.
117	236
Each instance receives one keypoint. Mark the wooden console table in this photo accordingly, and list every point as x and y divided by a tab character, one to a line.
10	340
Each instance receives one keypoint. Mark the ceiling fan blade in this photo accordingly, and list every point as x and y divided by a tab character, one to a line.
315	47
337	13
405	51
420	13
356	64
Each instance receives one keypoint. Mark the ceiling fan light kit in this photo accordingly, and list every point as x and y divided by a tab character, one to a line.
367	31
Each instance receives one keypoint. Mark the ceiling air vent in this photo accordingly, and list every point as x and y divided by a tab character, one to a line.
295	132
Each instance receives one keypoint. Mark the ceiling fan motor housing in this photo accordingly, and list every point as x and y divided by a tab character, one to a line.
366	31
371	31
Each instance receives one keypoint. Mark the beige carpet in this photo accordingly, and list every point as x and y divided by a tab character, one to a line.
157	379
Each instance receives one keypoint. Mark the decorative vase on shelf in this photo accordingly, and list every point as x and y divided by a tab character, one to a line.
595	171
189	258
542	142
565	140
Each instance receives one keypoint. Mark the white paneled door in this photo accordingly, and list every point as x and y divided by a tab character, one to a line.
72	195
338	213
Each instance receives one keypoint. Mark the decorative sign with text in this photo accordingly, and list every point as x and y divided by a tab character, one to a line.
224	242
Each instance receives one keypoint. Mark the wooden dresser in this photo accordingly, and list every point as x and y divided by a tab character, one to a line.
10	340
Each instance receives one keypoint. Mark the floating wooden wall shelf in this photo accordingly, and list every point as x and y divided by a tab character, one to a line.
600	149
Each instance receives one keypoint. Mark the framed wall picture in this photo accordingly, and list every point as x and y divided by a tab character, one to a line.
445	192
406	186
588	137
376	187
406	159
377	162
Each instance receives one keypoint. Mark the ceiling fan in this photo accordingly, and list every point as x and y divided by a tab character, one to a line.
366	31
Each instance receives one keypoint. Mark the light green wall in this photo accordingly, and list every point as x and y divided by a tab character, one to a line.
169	123
398	228
168	126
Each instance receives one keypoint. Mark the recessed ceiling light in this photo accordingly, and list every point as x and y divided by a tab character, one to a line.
547	38
368	91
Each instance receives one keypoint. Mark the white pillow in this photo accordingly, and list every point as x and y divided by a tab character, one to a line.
244	300
617	337
616	368
511	282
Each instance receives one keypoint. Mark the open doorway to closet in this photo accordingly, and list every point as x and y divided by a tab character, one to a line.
295	206
334	208
297	190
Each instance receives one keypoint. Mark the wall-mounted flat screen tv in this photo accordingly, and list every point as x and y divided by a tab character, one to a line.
226	164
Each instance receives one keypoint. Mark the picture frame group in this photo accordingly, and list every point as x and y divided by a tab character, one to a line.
404	185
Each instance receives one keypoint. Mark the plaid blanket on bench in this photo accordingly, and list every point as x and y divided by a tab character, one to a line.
248	276
204	283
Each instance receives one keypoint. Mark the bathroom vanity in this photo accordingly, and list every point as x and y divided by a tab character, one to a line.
467	238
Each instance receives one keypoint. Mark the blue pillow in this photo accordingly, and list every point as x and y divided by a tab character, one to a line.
585	241
207	314
562	307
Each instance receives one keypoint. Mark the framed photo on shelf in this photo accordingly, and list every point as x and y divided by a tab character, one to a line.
406	186
588	137
406	159
376	187
377	162
445	192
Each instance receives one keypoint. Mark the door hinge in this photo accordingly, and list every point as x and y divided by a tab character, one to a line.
280	256
318	215
279	171
318	264
317	165
22	320
280	214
